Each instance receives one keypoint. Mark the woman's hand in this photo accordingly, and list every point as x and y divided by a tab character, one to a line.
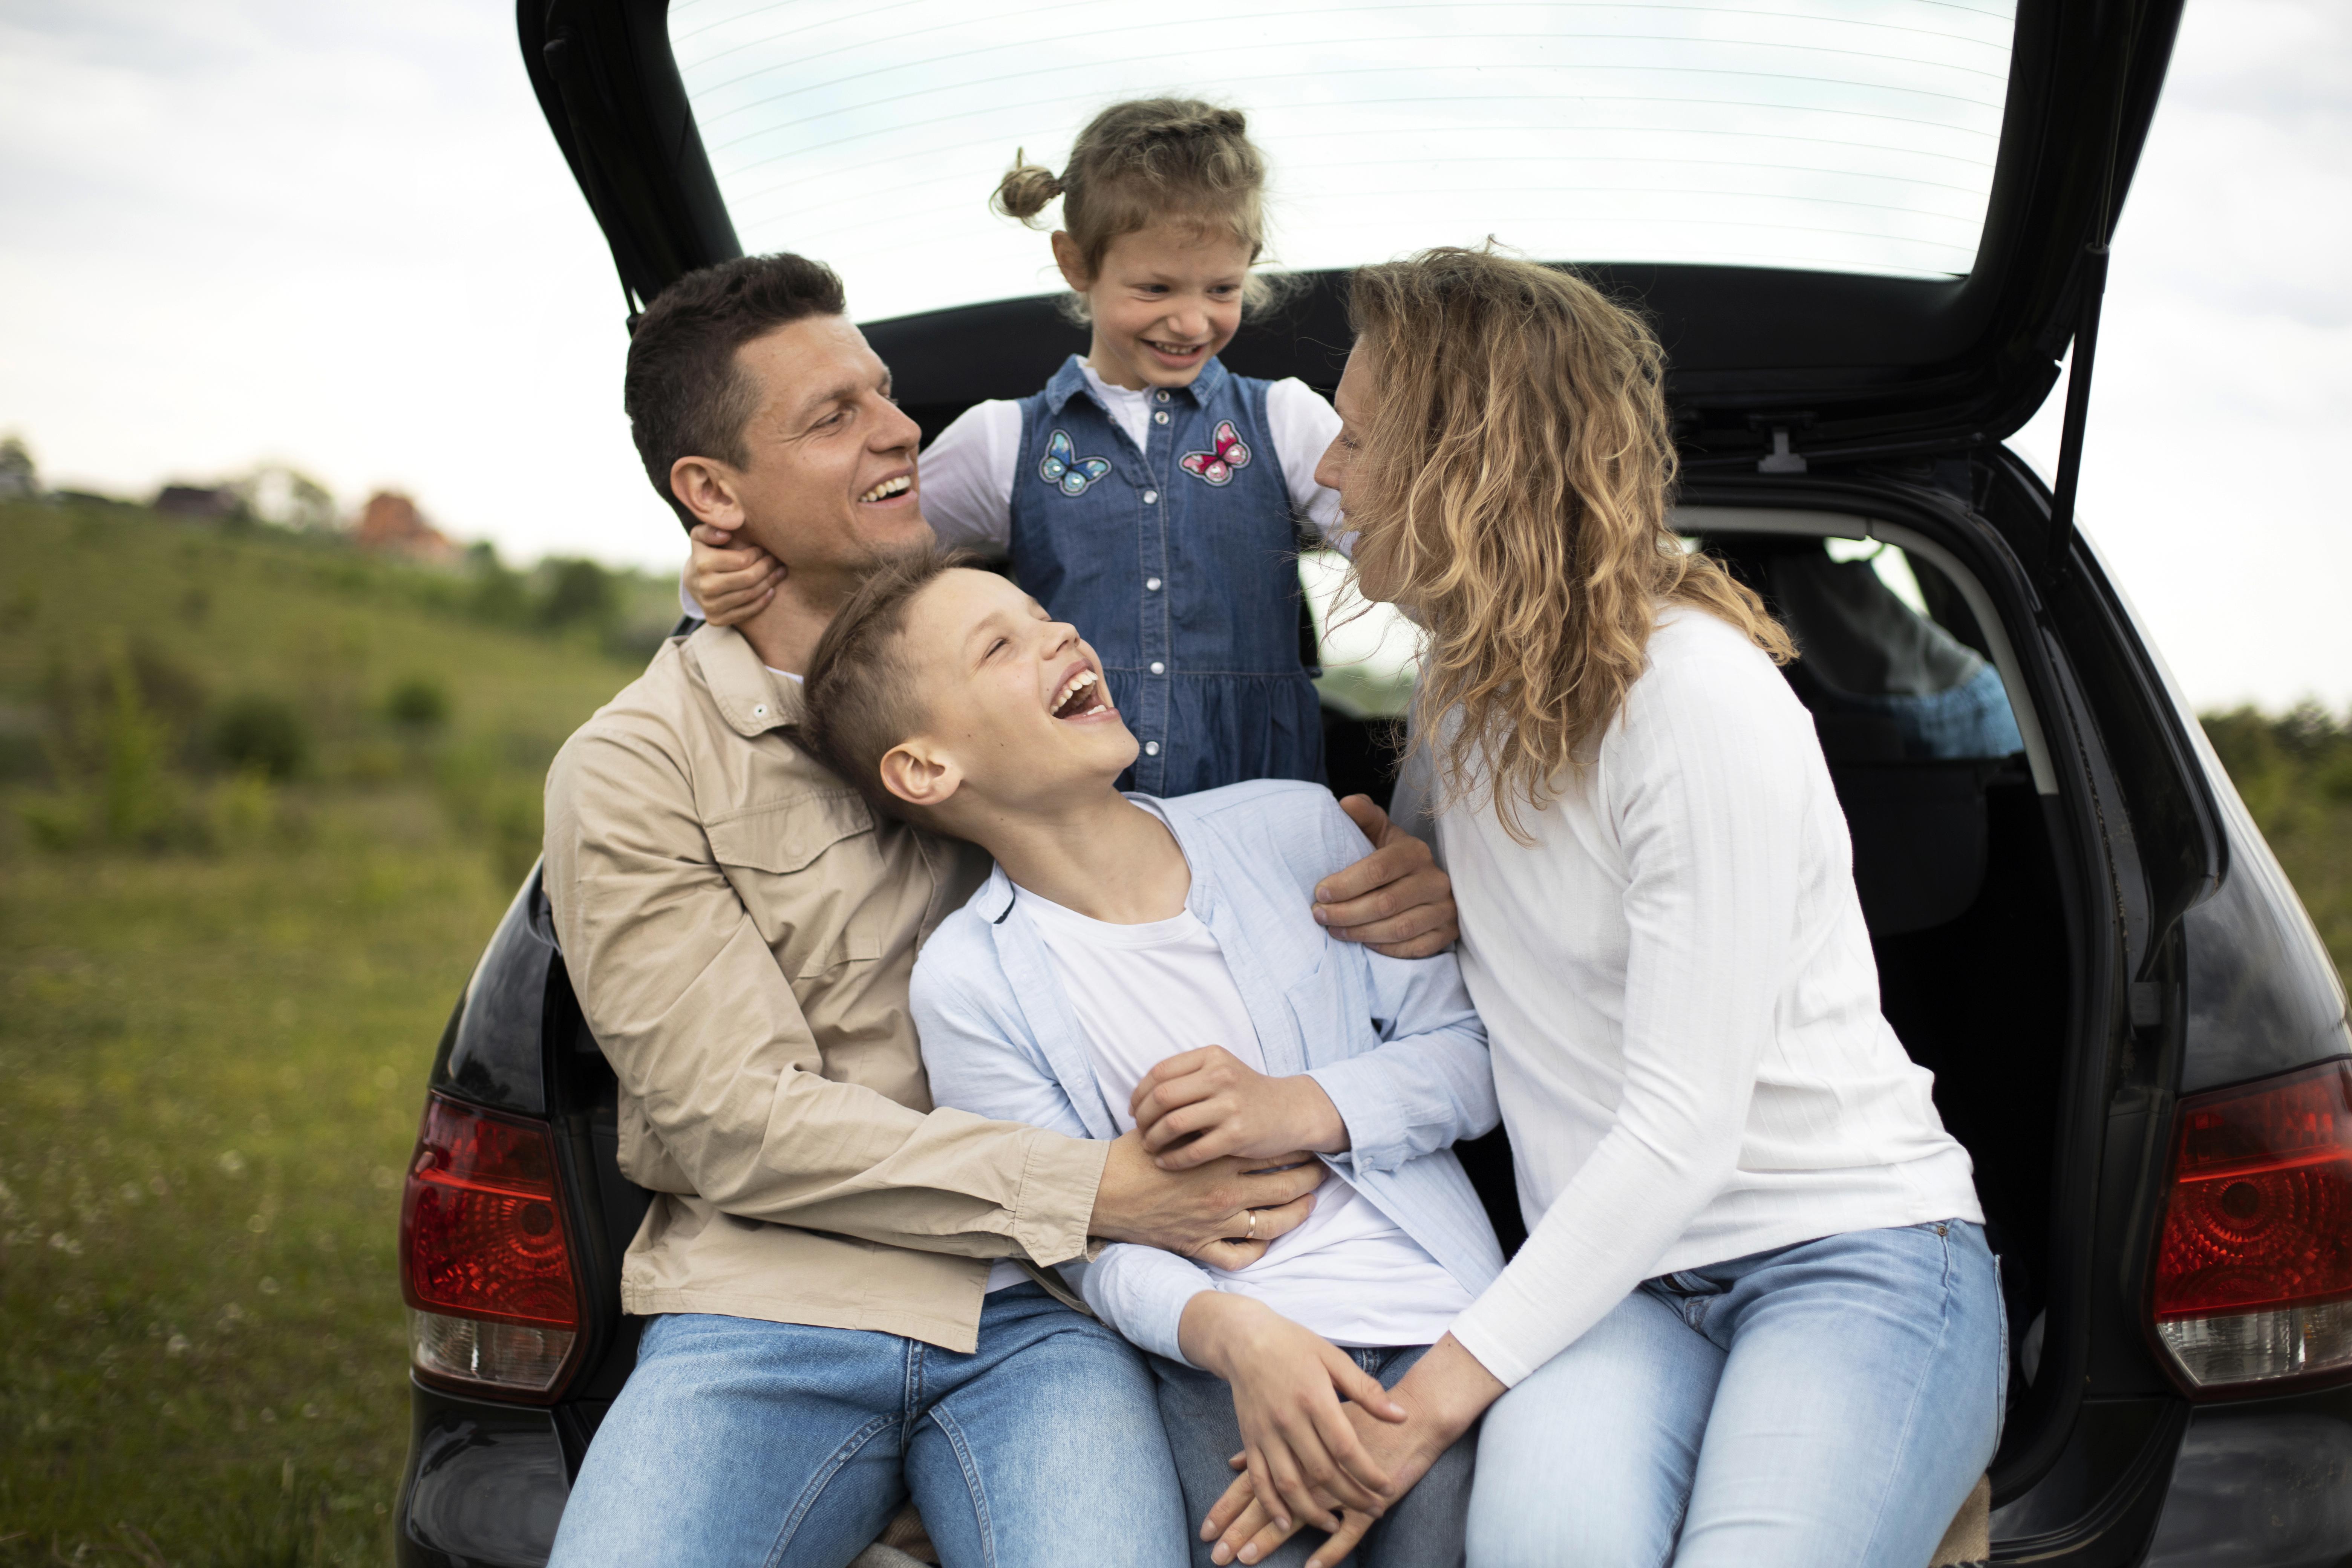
730	584
1441	1398
1198	1105
1394	900
1301	1451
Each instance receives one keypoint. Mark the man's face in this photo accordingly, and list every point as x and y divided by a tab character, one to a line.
828	481
1014	700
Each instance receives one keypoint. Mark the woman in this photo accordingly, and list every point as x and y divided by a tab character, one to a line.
1755	1322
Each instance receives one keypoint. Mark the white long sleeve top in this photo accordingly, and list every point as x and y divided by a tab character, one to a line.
1682	1005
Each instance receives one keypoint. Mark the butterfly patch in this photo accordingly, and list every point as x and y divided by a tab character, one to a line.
1218	467
1064	468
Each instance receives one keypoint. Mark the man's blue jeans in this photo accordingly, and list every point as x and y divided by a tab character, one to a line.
765	1444
1824	1405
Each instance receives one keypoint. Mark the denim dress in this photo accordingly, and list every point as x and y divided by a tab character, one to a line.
1179	563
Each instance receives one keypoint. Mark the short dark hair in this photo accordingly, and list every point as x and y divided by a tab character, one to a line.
859	695
686	396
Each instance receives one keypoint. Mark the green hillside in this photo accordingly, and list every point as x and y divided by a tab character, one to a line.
261	802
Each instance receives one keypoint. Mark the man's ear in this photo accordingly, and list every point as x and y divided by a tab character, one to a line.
1073	265
919	774
707	488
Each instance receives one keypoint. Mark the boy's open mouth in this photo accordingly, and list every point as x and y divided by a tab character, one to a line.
1081	695
897	486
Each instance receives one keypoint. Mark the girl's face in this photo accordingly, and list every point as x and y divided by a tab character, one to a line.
1165	301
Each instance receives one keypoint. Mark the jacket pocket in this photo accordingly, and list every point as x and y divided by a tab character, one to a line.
811	871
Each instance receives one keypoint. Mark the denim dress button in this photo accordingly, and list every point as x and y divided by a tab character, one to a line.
1150	748
1160	669
1151	498
1151	585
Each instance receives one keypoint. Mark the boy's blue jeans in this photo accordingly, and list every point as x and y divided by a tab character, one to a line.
1828	1404
737	1441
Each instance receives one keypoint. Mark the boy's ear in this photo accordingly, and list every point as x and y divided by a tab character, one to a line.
920	775
706	487
1073	265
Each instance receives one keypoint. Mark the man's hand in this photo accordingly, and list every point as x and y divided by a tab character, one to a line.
732	584
1394	900
1302	1453
1198	1106
1184	1211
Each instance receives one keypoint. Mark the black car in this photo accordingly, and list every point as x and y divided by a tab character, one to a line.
1866	253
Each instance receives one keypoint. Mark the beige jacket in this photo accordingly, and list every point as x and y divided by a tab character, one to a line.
739	929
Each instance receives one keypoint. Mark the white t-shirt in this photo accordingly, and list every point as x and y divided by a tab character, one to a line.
1141	994
968	473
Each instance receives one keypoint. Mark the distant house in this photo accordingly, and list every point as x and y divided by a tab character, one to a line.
390	522
202	501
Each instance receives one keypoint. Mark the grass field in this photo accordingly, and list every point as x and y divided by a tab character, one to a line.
218	1003
261	803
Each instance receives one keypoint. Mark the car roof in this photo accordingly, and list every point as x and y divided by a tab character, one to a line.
1859	223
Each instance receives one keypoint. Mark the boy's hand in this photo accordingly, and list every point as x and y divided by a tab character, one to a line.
732	584
1200	1105
1394	900
1302	1452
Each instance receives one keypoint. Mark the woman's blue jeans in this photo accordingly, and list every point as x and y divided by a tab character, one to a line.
1824	1405
738	1443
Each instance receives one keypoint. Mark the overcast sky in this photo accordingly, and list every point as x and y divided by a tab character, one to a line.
340	236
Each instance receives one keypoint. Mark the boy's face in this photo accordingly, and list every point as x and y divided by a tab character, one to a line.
1166	299
1016	712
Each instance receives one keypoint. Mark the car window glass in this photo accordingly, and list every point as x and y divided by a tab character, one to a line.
1838	135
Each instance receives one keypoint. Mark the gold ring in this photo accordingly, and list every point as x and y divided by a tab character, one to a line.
1253	1229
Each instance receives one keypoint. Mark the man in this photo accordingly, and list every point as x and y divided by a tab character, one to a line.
739	929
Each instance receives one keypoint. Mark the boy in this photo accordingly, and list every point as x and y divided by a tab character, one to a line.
1150	964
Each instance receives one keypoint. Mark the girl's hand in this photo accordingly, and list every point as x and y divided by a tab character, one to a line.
1198	1105
732	584
1302	1452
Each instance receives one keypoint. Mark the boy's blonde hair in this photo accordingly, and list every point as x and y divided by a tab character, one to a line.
1511	488
1149	161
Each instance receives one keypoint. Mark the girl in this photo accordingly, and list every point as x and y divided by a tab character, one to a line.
1755	1322
1147	493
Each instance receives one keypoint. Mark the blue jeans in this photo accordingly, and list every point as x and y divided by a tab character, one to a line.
737	1441
1824	1405
1422	1531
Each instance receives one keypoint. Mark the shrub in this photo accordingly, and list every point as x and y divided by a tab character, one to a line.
419	702
579	593
262	734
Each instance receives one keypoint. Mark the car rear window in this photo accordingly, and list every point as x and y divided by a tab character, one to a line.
1833	135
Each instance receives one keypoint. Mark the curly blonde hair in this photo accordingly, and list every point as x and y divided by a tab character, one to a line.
1144	162
1510	488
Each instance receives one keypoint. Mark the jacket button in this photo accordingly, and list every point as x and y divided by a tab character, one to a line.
1157	668
1162	396
1161	417
1150	748
1150	497
1151	585
760	712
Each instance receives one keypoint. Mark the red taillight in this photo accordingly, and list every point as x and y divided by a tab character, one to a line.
2253	1271
485	1256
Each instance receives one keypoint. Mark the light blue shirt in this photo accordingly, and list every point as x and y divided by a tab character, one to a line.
1394	1042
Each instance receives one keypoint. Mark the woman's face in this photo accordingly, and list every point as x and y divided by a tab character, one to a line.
1355	399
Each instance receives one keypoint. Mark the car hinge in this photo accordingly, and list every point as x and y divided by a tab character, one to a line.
2086	325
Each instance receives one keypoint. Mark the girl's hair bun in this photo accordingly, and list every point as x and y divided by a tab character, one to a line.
1026	189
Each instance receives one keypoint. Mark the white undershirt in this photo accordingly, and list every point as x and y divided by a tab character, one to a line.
1141	994
967	475
1683	1006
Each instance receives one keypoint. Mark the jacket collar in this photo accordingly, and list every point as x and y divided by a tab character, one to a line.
753	698
1070	381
